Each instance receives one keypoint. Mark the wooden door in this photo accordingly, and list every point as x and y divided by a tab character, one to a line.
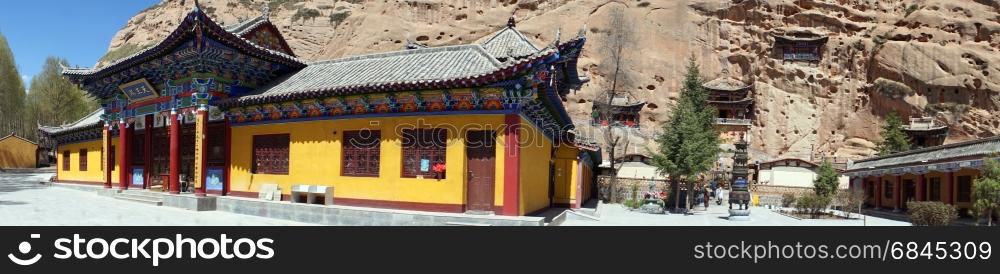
480	152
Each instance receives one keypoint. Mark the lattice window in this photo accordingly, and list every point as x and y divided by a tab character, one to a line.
361	153
270	154
423	149
65	160
83	159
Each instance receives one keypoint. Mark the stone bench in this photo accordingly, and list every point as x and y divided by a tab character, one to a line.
311	194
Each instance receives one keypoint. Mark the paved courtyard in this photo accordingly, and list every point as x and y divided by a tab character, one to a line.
23	201
616	215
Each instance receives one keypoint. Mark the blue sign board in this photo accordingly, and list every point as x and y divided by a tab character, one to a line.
425	165
213	178
138	90
137	178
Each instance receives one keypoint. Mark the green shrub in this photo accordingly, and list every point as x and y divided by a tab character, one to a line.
931	213
812	204
787	200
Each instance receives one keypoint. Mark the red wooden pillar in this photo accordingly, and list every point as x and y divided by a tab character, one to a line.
878	192
921	188
148	153
108	164
899	192
175	154
950	187
227	147
202	143
123	153
512	166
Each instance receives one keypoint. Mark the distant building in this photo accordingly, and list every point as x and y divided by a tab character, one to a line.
17	152
925	132
733	99
798	46
633	166
624	112
941	173
792	172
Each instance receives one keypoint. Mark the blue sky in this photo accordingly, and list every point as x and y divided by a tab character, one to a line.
78	30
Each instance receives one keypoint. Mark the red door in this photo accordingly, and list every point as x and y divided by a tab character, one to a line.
480	152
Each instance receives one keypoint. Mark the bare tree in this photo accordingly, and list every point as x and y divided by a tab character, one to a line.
618	43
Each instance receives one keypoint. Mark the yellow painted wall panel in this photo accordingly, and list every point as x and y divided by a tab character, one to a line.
536	152
315	158
17	153
94	172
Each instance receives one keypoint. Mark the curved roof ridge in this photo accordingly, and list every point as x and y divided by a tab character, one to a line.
177	31
478	48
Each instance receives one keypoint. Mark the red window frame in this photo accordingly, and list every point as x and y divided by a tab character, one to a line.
361	150
270	154
418	144
83	159
65	158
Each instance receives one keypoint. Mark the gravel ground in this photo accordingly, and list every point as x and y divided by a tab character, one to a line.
616	215
23	201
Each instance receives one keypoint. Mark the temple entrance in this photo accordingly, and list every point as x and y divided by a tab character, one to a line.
480	151
160	167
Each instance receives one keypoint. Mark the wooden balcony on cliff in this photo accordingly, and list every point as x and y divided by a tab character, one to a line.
798	46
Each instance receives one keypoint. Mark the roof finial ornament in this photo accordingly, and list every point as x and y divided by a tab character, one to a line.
555	44
267	10
583	31
197	7
510	22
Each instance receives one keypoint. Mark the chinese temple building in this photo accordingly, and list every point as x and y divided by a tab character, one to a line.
925	132
734	101
225	110
620	112
943	173
798	46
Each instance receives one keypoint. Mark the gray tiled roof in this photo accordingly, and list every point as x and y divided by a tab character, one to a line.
91	119
243	27
407	66
725	83
979	147
508	42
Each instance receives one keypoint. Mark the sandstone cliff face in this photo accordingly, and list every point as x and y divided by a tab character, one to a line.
944	51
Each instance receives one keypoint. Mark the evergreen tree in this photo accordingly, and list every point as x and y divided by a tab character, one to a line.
893	138
986	191
689	144
827	180
53	100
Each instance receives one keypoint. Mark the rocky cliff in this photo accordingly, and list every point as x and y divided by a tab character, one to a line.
923	57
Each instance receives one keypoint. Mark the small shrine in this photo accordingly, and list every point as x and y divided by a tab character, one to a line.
620	111
925	132
798	46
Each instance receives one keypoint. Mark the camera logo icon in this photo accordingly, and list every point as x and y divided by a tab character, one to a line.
25	249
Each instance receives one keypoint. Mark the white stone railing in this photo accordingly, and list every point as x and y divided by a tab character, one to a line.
732	121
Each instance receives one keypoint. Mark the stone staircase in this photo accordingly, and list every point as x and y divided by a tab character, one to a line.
141	196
